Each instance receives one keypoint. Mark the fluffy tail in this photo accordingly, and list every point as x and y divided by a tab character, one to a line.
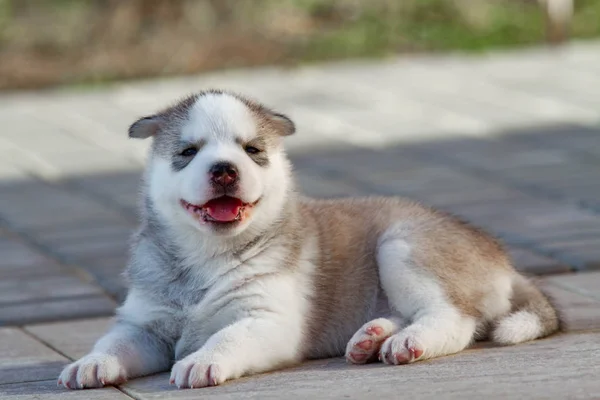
532	315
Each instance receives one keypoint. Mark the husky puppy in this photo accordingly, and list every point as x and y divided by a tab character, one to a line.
233	273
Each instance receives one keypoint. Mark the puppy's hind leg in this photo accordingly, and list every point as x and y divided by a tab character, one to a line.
436	326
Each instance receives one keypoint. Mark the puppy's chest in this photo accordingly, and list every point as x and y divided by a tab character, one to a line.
201	286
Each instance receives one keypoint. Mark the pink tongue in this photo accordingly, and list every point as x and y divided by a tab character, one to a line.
223	209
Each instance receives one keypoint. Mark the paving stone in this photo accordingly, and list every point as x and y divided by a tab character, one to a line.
32	270
22	208
34	289
122	187
585	283
71	338
96	247
22	358
533	263
108	272
90	161
75	233
532	163
517	372
54	309
578	312
50	391
16	254
32	134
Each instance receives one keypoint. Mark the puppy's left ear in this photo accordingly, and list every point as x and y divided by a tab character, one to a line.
145	127
283	124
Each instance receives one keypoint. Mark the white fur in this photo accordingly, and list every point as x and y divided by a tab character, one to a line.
220	121
518	327
437	327
218	116
269	322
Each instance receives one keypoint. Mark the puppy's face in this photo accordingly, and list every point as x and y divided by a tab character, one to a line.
217	163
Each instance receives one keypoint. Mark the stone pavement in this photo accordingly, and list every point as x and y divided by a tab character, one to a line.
510	141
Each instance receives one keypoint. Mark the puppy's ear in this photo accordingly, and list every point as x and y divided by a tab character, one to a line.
283	124
145	127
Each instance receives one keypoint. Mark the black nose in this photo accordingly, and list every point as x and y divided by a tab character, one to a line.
223	173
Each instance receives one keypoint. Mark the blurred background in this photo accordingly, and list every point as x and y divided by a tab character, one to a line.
52	42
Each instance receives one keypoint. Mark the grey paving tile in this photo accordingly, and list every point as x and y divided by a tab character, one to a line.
108	272
32	270
91	161
22	208
46	288
22	358
29	133
533	263
96	247
585	283
49	390
75	233
578	312
16	254
53	309
518	372
72	338
121	187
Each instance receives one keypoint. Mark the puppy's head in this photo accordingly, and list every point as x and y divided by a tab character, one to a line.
217	163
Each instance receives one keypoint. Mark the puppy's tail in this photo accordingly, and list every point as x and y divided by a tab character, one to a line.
532	315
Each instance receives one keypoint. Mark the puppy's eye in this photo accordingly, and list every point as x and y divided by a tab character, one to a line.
189	152
251	150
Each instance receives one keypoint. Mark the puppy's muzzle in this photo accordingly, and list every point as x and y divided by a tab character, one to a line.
223	174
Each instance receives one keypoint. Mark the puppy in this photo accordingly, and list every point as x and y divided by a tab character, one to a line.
233	273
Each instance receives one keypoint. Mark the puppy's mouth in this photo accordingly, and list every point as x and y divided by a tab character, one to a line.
220	210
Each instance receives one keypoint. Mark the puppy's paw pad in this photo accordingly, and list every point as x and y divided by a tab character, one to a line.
365	343
401	348
374	330
190	373
92	371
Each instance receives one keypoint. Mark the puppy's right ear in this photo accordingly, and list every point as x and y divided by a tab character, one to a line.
145	127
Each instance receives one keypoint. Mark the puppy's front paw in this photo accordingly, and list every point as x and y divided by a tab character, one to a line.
366	342
401	348
198	370
93	371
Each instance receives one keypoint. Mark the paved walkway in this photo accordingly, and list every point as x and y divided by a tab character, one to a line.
510	141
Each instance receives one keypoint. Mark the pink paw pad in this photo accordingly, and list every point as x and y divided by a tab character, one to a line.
365	344
374	330
358	357
415	352
401	358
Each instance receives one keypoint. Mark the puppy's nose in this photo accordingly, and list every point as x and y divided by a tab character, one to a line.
223	173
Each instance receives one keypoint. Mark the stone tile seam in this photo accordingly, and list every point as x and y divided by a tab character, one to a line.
574	289
48	345
51	299
62	261
481	173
